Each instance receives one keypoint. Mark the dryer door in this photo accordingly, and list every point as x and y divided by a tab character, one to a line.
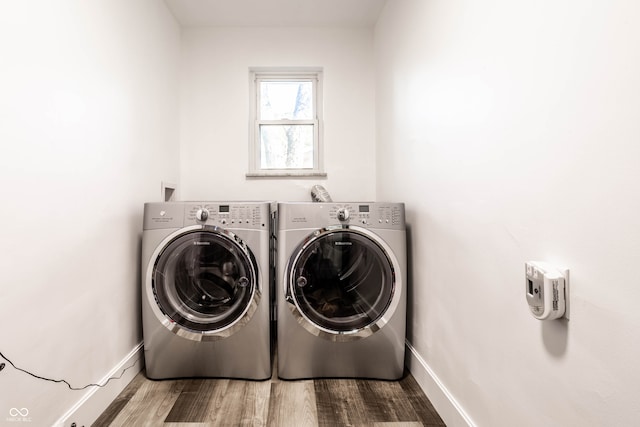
342	283
204	281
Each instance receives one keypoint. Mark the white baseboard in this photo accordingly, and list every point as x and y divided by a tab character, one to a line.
97	399
448	408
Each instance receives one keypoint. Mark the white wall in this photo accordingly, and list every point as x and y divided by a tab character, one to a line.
88	130
215	105
512	132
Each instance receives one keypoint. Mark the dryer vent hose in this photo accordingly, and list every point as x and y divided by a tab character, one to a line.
320	194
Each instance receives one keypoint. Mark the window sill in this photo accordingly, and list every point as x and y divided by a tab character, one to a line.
287	174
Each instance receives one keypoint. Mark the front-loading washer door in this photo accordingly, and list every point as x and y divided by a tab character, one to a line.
342	283
204	281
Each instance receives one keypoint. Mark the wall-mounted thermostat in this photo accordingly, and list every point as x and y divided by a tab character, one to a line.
545	288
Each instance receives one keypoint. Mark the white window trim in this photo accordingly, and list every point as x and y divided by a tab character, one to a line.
286	74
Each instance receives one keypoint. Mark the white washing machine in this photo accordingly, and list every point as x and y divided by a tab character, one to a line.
341	290
205	290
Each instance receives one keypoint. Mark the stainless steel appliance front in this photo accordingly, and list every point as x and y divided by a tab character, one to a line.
206	304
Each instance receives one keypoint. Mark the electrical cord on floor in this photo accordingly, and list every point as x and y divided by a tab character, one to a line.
2	366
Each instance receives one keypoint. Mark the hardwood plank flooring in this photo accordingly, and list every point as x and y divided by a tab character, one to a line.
272	403
286	396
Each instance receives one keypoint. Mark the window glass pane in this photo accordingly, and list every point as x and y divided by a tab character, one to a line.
286	146
286	100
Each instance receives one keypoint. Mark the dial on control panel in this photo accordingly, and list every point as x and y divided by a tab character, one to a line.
343	214
202	215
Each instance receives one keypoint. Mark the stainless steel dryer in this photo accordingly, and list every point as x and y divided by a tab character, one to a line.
341	290
205	290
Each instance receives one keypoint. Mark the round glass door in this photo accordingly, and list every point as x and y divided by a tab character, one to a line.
342	281
205	281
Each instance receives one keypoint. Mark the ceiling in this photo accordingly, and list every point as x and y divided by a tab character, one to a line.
276	13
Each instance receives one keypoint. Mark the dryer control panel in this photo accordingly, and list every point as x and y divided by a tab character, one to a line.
367	214
375	214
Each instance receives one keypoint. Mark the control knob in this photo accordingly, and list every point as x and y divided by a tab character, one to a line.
202	215
343	214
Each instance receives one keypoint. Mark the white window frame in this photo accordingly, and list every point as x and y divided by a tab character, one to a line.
258	75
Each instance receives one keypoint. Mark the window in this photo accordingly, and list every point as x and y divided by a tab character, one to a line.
285	137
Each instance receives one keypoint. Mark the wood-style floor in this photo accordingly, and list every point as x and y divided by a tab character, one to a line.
224	402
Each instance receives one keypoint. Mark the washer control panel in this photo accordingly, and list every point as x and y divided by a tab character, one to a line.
229	215
249	215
